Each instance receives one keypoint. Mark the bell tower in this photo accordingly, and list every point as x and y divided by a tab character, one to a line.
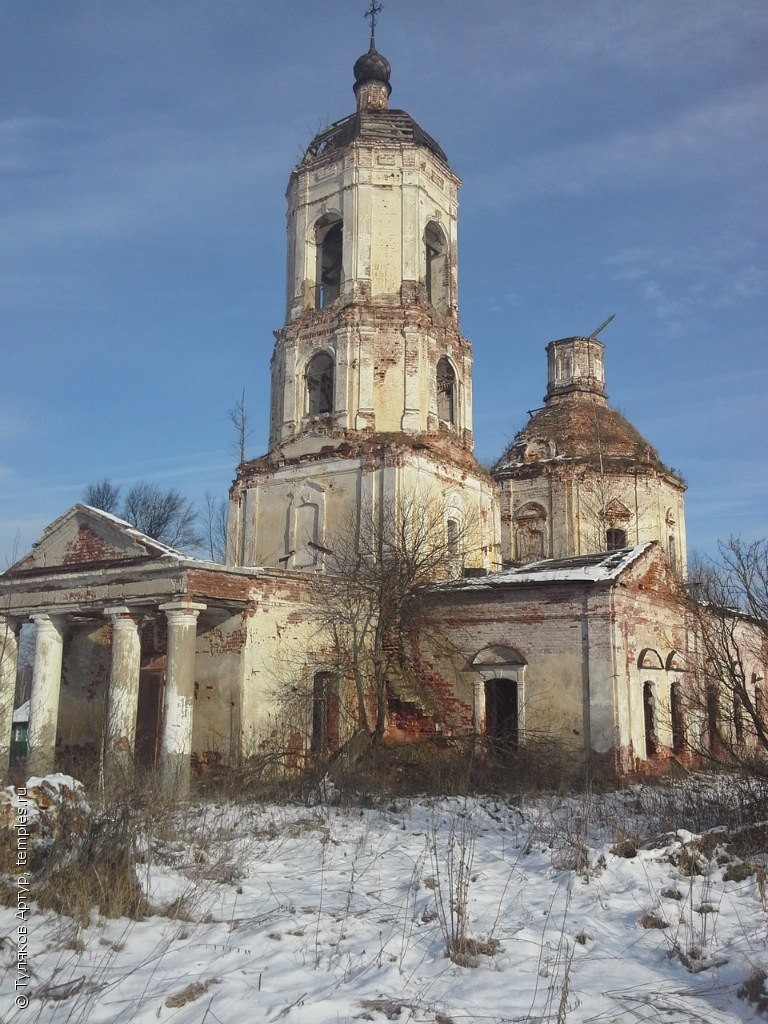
370	373
371	305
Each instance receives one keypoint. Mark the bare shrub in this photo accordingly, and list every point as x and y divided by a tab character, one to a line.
652	919
188	995
754	990
98	870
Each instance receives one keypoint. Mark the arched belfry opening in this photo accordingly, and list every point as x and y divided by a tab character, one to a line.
446	392
329	241
319	383
436	266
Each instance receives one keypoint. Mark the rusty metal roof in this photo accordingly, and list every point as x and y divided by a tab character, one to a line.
388	127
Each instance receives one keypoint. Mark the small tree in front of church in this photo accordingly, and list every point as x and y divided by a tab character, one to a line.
370	599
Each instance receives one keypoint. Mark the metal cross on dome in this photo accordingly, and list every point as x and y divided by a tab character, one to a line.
374	9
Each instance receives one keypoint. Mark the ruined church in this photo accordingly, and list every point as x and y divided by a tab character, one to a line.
564	613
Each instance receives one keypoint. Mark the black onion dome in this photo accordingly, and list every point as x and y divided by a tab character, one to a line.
372	67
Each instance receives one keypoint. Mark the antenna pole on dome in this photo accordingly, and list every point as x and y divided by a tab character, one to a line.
371	14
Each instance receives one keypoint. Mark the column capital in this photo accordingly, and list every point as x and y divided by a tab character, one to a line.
47	621
192	608
11	623
118	609
120	614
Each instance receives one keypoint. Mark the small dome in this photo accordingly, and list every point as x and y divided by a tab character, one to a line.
372	67
577	430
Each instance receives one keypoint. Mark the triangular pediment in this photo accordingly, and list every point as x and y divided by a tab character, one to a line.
86	536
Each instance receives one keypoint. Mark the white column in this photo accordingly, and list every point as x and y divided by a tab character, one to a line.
46	685
179	701
123	695
9	653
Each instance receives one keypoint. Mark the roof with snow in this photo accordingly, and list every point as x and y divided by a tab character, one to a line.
88	536
597	568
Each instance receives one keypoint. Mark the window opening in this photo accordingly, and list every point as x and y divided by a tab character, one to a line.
738	718
319	377
452	536
330	245
530	532
678	719
649	715
615	539
672	551
435	276
325	714
501	711
446	392
761	703
713	717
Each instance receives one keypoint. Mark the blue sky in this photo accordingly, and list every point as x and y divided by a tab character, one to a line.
614	158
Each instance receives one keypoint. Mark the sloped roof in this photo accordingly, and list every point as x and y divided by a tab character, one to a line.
597	568
88	536
372	126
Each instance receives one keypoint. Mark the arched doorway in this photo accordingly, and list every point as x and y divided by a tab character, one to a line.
499	694
502	721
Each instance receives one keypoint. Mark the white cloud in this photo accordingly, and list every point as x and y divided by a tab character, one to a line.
713	141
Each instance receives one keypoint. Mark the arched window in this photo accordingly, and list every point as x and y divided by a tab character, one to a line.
325	714
436	269
530	532
649	717
329	239
319	378
446	392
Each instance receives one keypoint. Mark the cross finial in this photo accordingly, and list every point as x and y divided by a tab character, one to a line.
374	9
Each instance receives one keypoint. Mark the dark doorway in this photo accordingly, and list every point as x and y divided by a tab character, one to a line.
501	711
678	718
649	714
325	714
149	720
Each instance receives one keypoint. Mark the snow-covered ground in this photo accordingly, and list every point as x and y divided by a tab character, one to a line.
324	915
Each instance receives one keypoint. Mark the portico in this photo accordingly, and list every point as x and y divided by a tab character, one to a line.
126	609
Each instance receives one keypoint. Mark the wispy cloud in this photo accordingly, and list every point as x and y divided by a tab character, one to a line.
679	281
712	141
115	184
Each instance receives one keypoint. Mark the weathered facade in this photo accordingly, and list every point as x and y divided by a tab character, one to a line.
573	623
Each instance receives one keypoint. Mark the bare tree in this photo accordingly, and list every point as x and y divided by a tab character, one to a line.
214	520
238	416
103	495
166	516
370	598
729	608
